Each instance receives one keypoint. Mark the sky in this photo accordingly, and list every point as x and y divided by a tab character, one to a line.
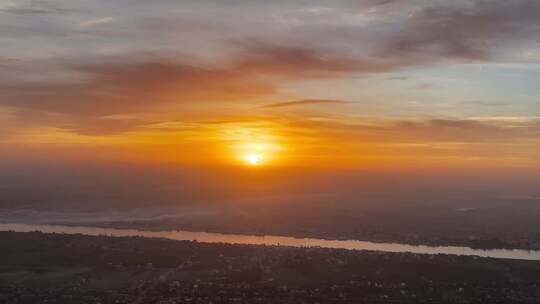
336	84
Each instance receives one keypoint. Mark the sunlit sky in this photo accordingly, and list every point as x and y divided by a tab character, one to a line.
285	83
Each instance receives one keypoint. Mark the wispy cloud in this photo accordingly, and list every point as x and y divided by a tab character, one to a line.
302	103
486	103
34	7
98	21
133	85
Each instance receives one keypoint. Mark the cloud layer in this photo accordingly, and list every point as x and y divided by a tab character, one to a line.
106	68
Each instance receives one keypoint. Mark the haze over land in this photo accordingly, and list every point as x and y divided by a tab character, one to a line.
413	207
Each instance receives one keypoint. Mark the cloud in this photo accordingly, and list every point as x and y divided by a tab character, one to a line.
252	55
465	29
302	62
466	130
119	86
462	131
96	22
122	86
417	32
7	62
302	102
485	103
103	126
398	78
424	86
33	7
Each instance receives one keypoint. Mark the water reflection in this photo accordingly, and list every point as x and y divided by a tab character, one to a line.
277	240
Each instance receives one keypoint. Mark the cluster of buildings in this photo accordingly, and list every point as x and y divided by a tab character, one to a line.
138	270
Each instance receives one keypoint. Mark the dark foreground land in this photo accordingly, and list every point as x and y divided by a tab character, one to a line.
54	268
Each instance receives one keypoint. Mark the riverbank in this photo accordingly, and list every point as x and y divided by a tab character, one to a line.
276	240
480	242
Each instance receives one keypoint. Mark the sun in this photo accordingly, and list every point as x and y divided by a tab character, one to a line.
254	159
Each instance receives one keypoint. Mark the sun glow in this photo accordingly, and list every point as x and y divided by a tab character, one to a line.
253	144
254	159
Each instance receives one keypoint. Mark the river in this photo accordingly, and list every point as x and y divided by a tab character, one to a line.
277	240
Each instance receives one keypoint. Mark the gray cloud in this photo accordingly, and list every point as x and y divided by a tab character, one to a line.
485	103
33	7
135	85
466	29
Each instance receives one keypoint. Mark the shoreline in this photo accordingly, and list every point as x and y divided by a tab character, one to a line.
210	237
